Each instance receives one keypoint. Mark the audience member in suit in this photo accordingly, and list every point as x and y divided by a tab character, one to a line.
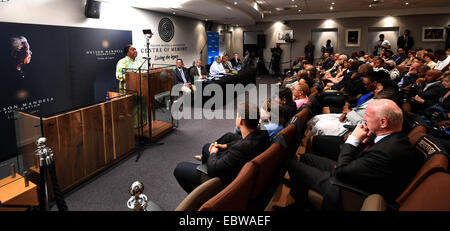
400	56
428	93
198	70
235	61
225	157
227	64
384	167
327	62
181	76
405	41
286	100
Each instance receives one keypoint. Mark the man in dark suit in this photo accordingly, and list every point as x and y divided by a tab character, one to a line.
405	41
429	92
198	70
181	76
400	56
309	52
225	157
385	165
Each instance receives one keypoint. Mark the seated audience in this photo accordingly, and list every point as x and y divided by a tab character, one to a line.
400	57
226	64
285	99
410	59
225	157
428	58
300	94
217	67
333	123
429	92
198	70
236	62
182	76
443	60
390	66
385	166
271	118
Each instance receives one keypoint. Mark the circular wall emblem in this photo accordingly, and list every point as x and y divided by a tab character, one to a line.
166	29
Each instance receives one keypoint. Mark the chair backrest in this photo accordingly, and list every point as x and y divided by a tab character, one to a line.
431	195
235	196
200	195
267	165
437	163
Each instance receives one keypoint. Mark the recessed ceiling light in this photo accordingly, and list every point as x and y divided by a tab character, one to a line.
174	13
331	7
406	3
235	3
370	5
293	0
332	3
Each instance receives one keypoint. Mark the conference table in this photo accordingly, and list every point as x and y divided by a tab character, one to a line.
244	76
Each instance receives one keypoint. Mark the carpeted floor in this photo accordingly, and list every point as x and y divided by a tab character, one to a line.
109	190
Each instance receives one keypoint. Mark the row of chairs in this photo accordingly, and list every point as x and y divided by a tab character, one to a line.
258	179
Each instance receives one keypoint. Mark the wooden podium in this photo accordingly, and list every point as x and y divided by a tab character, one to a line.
159	82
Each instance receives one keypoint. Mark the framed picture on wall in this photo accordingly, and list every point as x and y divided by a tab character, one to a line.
352	37
284	35
433	34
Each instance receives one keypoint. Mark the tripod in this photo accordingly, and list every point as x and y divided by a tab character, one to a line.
144	142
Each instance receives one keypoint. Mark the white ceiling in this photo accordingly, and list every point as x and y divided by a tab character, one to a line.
248	12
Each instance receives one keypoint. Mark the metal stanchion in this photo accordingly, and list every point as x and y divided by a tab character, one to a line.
138	201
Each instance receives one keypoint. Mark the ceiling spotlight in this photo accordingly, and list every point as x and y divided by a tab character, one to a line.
299	10
235	3
406	3
331	7
332	3
174	13
370	5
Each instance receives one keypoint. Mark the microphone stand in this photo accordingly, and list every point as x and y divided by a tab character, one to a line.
142	141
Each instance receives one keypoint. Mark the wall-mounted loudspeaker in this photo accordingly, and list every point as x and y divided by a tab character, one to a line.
208	26
92	9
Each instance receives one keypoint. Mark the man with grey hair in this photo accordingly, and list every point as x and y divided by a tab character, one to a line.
377	158
390	66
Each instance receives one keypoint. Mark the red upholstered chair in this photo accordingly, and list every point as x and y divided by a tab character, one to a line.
200	195
431	195
235	196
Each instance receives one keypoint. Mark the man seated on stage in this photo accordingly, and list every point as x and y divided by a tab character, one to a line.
217	67
130	61
235	61
377	158
227	64
225	157
181	76
198	70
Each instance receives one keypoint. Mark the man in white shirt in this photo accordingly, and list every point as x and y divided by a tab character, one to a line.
382	43
443	60
217	67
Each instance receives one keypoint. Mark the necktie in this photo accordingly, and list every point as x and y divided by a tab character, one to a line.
182	75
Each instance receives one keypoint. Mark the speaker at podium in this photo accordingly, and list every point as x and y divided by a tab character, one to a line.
153	101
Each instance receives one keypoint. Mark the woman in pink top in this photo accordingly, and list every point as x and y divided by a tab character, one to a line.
300	94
